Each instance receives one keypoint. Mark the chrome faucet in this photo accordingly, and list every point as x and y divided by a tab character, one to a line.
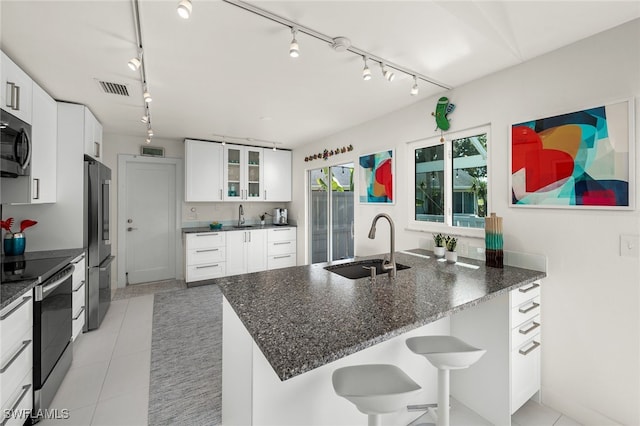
389	266
240	216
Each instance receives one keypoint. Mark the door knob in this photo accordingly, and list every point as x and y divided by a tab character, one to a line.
131	229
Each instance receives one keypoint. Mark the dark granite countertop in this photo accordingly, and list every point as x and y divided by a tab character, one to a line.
11	291
304	317
225	228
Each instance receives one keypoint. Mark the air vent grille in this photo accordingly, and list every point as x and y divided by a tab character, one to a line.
114	88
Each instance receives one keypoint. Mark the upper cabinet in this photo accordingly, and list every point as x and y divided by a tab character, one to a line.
203	171
15	93
92	135
277	175
243	173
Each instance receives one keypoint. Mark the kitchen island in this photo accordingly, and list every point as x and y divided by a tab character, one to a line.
286	330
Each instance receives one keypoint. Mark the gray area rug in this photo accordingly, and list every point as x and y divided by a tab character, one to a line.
186	358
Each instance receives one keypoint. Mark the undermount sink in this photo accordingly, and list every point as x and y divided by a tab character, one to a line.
360	268
242	226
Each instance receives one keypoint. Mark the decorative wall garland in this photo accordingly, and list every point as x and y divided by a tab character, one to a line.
328	153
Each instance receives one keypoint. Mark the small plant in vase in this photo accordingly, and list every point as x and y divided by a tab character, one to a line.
438	245
14	242
263	216
451	255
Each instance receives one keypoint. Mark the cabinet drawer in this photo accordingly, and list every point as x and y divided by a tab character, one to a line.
275	248
15	320
79	271
20	402
522	294
281	261
78	323
525	373
281	234
525	312
78	299
205	240
205	272
17	361
525	331
205	255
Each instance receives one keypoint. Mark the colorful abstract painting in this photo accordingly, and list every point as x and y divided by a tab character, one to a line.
576	159
376	177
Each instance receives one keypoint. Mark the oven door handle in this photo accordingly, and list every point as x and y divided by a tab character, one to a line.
46	289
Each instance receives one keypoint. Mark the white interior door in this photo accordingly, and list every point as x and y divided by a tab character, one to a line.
150	221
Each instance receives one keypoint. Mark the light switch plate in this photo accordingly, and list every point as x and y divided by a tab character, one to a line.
629	245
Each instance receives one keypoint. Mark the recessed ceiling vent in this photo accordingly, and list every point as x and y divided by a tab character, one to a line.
113	88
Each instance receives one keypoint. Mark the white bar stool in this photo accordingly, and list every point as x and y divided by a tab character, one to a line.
375	389
445	353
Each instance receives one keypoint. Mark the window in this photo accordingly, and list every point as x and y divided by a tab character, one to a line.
450	182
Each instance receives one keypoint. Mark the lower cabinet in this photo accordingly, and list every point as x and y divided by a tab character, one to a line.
205	256
246	251
281	248
16	361
78	310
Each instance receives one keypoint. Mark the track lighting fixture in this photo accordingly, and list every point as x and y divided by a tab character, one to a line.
388	74
144	119
147	141
294	49
150	132
147	96
414	88
274	146
184	9
366	72
134	63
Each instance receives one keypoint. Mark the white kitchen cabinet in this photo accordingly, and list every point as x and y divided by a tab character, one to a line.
15	93
243	173
277	175
78	310
41	186
203	171
16	357
205	255
281	247
246	251
92	135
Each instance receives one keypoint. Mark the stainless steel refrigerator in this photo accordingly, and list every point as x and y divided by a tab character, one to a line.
97	184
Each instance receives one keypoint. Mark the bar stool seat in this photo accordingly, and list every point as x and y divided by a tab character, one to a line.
445	353
375	389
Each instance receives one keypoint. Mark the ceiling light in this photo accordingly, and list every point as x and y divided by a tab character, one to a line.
184	9
223	141
134	64
150	132
414	89
147	141
294	49
147	96
274	146
386	72
366	72
145	119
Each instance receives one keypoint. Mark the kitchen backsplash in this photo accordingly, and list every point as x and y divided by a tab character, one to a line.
201	214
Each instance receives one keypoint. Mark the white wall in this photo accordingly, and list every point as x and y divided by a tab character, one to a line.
591	302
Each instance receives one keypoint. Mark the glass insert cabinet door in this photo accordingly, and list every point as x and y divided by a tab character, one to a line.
244	173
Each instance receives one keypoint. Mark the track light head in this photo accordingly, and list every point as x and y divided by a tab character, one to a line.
147	141
184	9
134	63
294	49
150	132
147	96
414	88
144	119
274	146
389	75
366	72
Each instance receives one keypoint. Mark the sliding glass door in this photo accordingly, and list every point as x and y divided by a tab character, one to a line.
331	199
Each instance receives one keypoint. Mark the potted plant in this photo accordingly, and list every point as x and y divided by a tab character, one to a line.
262	218
438	248
451	255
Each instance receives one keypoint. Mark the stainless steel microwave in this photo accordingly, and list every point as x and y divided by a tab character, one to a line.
15	146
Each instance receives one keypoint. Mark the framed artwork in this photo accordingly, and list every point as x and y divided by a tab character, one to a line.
376	181
582	159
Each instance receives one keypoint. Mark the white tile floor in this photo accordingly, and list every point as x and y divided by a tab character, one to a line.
108	383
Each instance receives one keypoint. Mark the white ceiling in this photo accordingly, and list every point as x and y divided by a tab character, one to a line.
227	72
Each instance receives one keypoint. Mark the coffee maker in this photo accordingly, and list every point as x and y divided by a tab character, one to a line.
280	217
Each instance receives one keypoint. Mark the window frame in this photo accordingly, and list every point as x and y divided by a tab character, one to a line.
447	226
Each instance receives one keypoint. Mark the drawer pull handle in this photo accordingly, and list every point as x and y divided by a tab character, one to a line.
25	391
526	352
534	325
205	251
529	309
78	259
24	300
15	356
528	289
279	244
281	257
207	266
281	229
75	290
208	234
79	313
